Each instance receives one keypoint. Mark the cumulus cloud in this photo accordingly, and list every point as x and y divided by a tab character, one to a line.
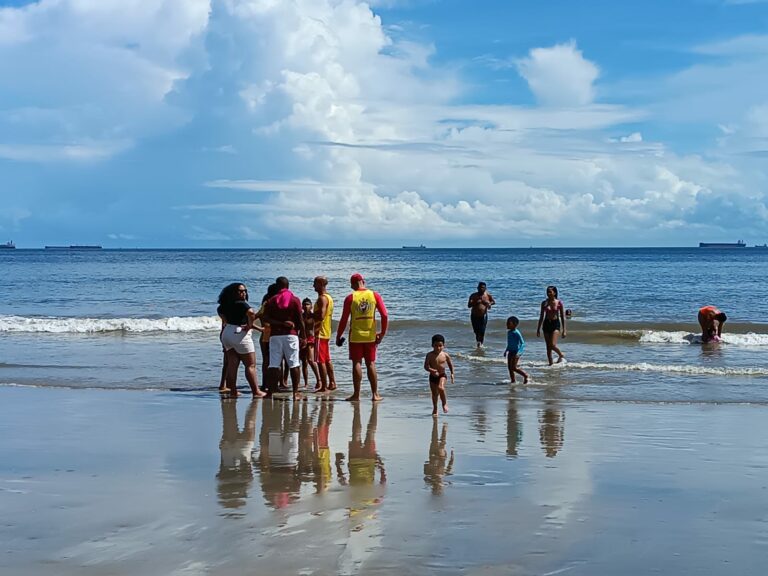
305	121
559	75
83	71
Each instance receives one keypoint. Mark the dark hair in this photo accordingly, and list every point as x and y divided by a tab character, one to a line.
282	282
306	301
438	338
553	288
271	291
721	317
482	284
514	319
230	293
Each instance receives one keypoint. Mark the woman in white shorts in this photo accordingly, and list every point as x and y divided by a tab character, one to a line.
238	317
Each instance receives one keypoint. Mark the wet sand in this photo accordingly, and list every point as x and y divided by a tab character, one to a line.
118	483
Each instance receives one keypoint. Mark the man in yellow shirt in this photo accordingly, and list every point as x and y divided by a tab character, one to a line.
323	313
360	311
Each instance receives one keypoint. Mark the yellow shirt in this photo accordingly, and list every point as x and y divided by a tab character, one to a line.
362	326
323	327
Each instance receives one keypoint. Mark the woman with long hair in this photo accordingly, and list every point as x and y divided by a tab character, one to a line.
552	323
238	319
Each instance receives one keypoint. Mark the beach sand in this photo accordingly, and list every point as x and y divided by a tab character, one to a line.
127	483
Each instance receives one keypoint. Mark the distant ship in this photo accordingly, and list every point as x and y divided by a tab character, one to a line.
419	247
8	246
739	244
74	247
761	245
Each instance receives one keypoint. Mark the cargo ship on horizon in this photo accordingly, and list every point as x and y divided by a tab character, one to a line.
8	245
75	247
739	244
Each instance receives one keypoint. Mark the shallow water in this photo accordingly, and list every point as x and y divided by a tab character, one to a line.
143	320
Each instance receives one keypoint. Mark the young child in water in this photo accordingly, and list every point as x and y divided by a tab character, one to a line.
307	351
515	348
435	364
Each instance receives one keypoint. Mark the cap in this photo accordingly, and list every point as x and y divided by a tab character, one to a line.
357	277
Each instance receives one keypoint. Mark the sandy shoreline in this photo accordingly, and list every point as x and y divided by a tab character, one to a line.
95	482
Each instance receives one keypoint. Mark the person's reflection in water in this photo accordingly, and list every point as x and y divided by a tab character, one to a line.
278	453
479	419
364	460
321	448
551	428
514	428
436	469
235	469
365	494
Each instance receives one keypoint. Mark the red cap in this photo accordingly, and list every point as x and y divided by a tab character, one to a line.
357	277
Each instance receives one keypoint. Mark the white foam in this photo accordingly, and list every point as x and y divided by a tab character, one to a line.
661	337
638	367
96	325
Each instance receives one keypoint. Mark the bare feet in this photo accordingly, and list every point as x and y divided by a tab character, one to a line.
259	394
434	413
332	386
525	381
560	358
445	408
377	398
513	381
320	390
352	398
297	396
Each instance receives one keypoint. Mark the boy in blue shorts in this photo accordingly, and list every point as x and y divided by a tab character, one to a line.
515	348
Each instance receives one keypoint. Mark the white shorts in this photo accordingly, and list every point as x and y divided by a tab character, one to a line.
238	338
284	347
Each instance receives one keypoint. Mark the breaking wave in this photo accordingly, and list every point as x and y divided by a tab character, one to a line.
98	325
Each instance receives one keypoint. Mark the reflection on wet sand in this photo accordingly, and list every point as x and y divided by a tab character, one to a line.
479	419
235	468
278	458
365	493
514	428
551	428
364	460
321	449
435	468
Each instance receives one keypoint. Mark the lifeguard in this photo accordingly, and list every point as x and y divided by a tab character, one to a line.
360	312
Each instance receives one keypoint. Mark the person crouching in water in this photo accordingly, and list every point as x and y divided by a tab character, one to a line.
515	348
711	321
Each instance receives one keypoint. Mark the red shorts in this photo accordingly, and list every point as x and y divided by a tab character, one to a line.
362	350
322	351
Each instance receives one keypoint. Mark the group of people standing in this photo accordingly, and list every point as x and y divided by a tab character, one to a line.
295	333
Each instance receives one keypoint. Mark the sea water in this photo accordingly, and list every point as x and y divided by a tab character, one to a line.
145	319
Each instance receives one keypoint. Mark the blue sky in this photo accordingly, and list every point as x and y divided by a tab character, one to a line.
269	123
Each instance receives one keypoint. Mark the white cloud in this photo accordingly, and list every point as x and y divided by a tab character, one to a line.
347	134
559	75
632	138
92	70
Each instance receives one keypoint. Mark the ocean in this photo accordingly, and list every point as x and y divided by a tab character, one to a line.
145	319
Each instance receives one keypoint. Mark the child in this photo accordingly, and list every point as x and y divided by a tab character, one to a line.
307	352
435	364
515	347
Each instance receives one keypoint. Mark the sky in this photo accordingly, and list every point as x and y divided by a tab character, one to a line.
339	123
